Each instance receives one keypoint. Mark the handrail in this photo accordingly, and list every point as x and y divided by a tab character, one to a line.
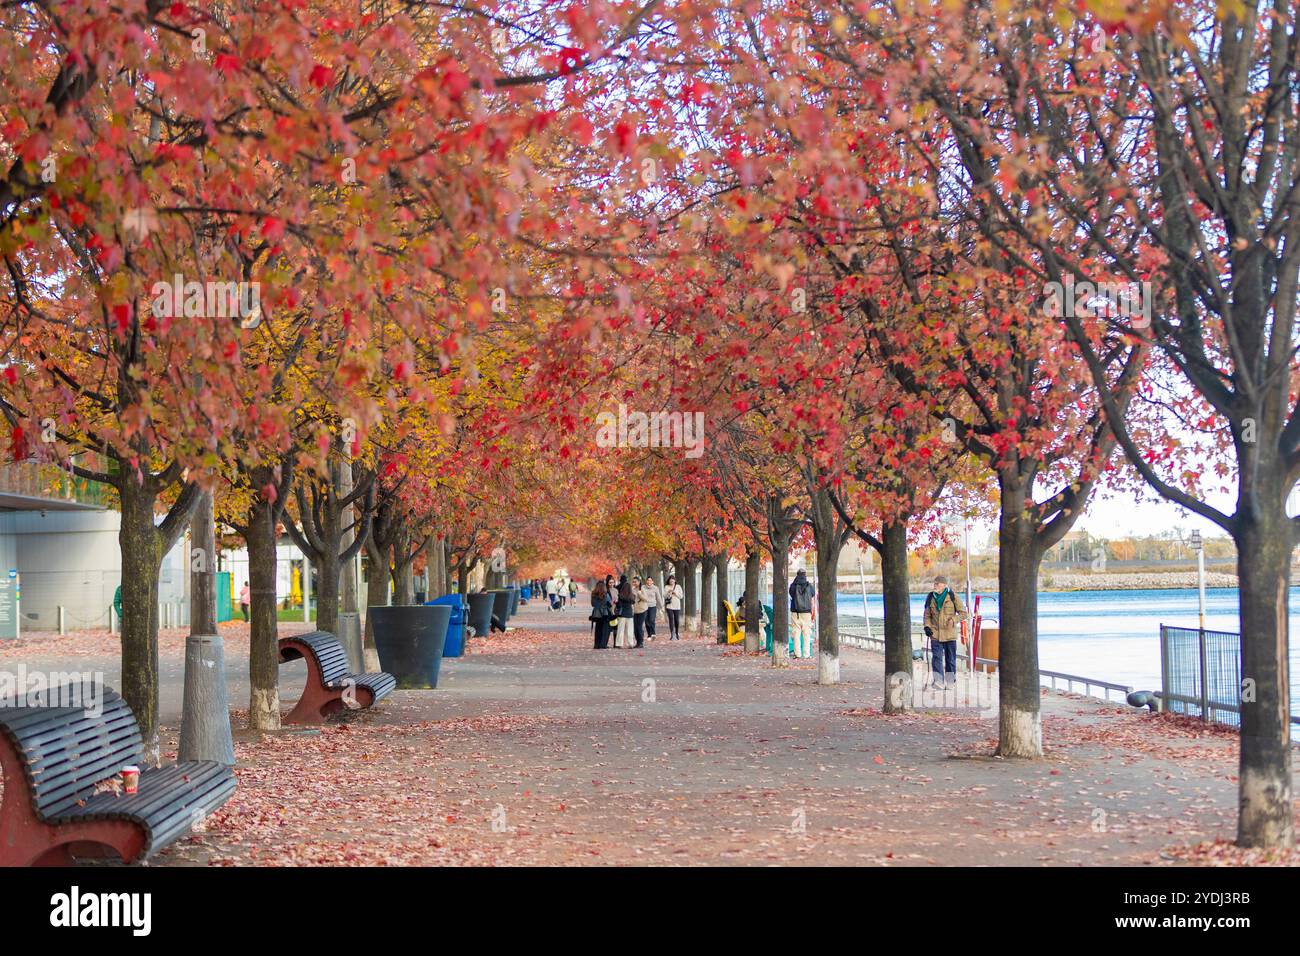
1070	679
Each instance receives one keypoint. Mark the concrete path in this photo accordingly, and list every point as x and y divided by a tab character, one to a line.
538	749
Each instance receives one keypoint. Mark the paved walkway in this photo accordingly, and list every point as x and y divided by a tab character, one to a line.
538	749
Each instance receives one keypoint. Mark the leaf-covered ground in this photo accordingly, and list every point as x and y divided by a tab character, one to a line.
537	749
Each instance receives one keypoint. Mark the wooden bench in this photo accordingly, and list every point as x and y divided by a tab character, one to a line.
330	688
53	757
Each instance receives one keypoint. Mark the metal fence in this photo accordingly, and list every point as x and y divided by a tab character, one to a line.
977	679
1200	673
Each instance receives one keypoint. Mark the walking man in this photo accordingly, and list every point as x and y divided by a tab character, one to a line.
944	615
802	593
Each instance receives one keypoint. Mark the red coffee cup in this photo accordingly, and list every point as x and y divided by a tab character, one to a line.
130	779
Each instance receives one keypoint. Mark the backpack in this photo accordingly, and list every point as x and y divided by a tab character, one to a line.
929	601
802	598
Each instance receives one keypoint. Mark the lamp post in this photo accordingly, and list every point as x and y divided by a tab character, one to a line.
1198	547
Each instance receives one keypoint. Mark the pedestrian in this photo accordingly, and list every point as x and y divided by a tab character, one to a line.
653	601
639	607
243	599
601	613
802	593
623	629
573	590
944	614
552	593
673	597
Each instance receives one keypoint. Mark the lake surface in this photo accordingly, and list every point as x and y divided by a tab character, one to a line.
1111	635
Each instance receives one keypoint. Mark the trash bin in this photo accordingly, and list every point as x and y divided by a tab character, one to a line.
501	605
514	600
480	613
410	641
455	645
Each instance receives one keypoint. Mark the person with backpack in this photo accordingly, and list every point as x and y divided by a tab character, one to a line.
944	614
602	612
802	594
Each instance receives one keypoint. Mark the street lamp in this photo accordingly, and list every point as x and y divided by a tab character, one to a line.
1198	547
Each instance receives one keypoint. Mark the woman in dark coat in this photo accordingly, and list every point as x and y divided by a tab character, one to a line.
623	634
602	613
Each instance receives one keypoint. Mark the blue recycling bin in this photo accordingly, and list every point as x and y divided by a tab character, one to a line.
455	645
526	592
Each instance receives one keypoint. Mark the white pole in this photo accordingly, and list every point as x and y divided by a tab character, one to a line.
1200	582
970	636
862	579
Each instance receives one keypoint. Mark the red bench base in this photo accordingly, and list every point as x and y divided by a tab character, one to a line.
26	840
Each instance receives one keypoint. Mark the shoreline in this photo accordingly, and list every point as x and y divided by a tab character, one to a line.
1072	582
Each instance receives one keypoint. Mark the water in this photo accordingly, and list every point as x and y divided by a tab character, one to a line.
1111	635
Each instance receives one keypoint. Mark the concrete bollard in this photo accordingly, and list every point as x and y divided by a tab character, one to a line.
205	712
349	636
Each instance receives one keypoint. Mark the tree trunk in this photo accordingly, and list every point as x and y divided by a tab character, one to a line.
376	588
691	607
205	708
141	559
1263	538
753	601
707	568
896	593
828	624
1020	729
403	578
263	650
720	622
462	578
780	597
829	540
327	588
203	567
434	556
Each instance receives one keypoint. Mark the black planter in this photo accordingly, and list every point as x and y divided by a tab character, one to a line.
501	605
514	600
410	639
480	613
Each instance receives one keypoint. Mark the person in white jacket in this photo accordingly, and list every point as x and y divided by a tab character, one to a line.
654	600
673	598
